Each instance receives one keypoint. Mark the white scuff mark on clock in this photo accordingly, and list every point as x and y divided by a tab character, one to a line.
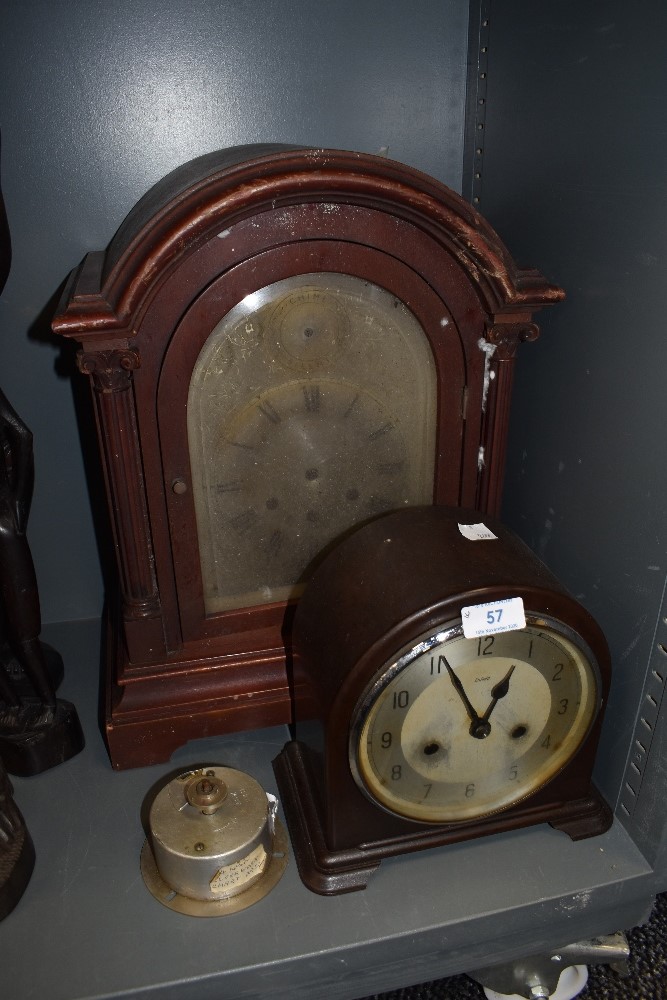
579	901
285	219
444	321
480	458
224	233
488	351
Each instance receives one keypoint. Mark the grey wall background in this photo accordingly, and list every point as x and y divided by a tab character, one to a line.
98	101
575	179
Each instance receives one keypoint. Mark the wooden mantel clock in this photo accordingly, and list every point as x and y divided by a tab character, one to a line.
283	343
446	686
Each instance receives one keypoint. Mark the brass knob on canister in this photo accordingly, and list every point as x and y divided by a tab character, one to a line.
206	793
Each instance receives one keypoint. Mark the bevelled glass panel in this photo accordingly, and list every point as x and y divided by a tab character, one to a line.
311	408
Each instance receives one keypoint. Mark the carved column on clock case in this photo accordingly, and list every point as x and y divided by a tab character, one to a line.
502	341
111	376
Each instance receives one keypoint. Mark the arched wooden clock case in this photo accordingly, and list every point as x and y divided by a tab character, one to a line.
162	317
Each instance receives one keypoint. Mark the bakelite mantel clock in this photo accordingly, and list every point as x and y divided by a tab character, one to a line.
283	343
446	686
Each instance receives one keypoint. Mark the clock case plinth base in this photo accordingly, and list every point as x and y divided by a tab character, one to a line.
152	710
331	872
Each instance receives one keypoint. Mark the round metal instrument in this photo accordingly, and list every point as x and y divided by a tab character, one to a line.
215	845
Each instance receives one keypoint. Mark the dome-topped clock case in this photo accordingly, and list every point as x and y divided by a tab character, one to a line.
446	686
283	343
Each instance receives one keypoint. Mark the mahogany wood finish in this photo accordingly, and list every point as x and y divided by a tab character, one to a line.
213	231
365	602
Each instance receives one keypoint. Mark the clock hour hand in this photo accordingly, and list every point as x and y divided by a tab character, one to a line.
499	691
480	728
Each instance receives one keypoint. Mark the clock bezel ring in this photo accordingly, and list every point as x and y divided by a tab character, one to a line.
437	636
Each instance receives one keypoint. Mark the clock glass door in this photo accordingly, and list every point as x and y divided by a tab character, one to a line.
312	407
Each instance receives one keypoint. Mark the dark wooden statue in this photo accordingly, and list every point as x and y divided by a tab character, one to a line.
20	607
17	854
37	731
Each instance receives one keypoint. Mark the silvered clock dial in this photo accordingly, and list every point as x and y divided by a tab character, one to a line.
311	409
457	728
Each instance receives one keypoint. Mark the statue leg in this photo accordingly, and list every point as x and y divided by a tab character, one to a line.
20	599
7	692
31	656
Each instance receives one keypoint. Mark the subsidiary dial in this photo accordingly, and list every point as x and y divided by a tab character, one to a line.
310	329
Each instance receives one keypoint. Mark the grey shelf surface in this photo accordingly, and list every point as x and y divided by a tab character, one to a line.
88	928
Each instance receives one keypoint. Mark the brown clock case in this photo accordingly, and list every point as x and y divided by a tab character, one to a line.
141	311
390	582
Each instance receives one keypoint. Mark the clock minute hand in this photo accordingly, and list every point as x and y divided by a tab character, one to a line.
458	687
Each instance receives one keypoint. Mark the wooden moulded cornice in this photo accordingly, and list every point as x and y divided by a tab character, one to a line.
212	193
